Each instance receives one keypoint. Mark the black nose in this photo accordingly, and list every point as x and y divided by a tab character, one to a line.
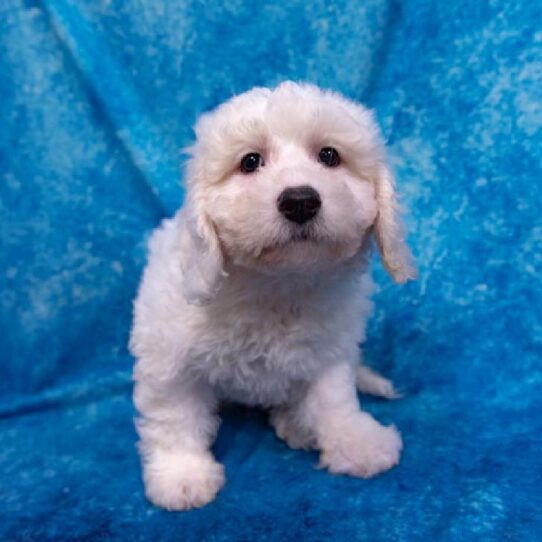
299	204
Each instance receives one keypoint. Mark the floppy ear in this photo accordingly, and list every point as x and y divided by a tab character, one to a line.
389	230
201	257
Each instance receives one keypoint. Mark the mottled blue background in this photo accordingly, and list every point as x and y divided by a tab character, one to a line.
96	99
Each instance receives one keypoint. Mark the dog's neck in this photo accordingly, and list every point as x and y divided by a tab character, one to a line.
257	285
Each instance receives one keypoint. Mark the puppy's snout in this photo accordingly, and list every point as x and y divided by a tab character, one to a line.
299	204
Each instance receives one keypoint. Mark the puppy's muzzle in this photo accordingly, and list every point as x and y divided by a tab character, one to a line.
299	204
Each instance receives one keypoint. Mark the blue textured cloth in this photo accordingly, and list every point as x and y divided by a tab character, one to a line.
97	98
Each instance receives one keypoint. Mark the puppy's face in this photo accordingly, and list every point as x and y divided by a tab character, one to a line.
287	177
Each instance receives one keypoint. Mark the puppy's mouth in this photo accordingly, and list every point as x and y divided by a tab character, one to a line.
300	236
302	233
297	234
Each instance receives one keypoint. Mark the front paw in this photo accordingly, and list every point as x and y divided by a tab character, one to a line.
181	481
363	448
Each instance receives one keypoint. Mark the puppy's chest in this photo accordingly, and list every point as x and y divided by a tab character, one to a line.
261	354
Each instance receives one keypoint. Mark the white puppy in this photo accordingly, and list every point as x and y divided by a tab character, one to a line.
257	290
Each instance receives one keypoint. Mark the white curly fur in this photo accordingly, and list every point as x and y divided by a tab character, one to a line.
236	305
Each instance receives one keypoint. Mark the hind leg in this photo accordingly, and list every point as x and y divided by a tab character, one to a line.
370	382
287	422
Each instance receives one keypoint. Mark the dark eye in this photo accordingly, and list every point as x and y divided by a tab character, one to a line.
251	162
329	157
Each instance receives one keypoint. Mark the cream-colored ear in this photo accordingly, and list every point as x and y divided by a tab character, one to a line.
389	231
201	257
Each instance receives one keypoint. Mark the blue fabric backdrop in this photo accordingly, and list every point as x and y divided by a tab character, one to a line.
96	99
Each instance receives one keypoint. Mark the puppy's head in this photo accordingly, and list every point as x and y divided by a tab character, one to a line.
288	180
